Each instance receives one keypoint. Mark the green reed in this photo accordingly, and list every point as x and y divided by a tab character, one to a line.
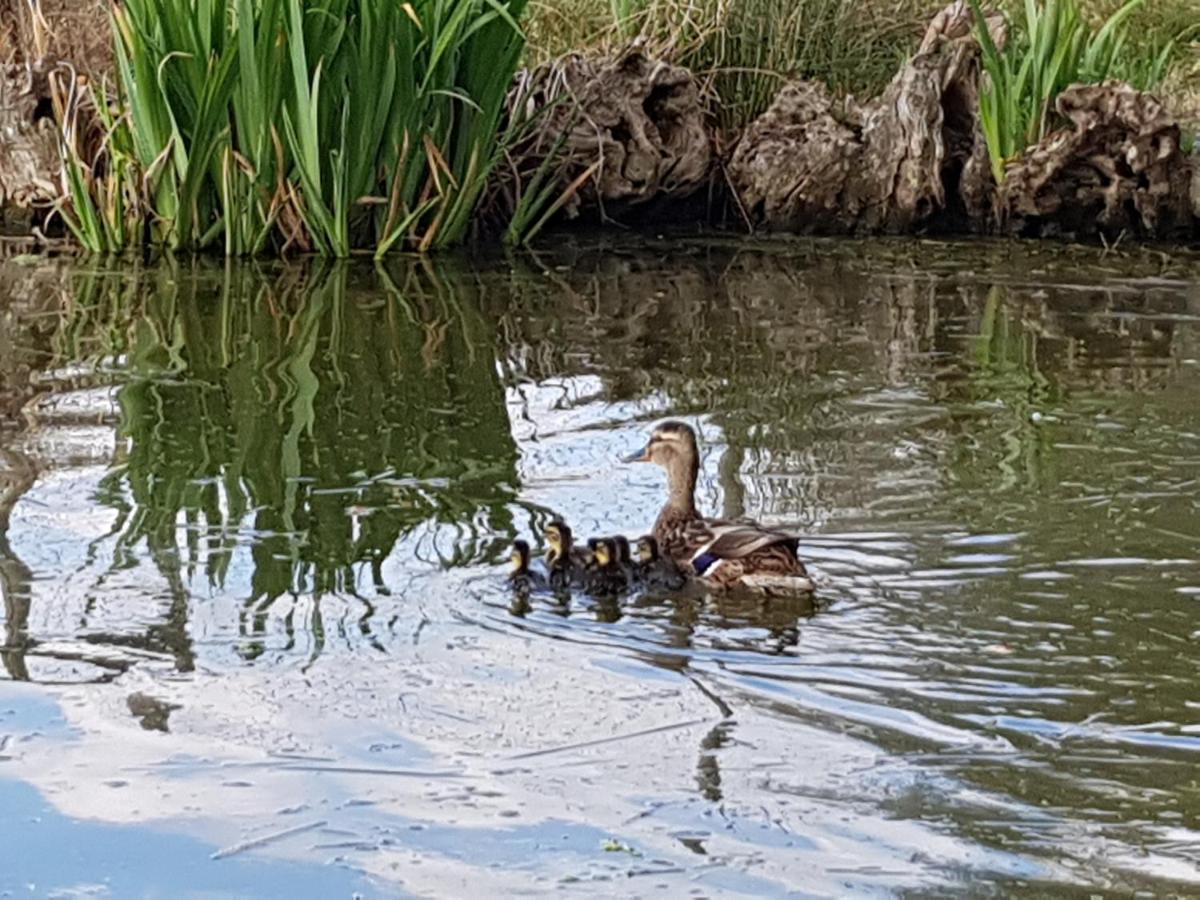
1052	48
322	125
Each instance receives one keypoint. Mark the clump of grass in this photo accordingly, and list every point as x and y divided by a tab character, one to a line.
1053	47
324	125
746	49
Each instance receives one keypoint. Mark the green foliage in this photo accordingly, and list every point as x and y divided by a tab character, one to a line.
326	125
263	402
755	45
1054	48
745	49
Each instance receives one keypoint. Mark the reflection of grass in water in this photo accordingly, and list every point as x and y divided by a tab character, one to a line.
292	410
1006	371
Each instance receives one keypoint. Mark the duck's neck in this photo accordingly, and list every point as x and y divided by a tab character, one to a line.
681	487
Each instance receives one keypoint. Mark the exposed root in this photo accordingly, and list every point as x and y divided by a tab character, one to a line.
814	165
637	121
1118	168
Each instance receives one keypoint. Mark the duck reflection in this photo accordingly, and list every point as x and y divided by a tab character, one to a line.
305	437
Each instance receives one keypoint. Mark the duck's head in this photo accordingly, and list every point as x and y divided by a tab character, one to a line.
558	540
520	557
670	444
647	549
604	552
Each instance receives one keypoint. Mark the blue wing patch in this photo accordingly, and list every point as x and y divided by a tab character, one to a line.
702	562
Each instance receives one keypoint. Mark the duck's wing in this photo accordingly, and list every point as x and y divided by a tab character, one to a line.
738	540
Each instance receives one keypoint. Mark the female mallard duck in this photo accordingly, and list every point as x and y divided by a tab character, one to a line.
565	561
655	571
605	576
725	554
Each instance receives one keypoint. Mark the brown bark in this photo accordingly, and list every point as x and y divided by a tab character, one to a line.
1118	168
29	160
639	118
811	164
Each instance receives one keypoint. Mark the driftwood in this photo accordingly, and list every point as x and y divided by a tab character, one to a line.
637	123
811	164
1118	168
29	158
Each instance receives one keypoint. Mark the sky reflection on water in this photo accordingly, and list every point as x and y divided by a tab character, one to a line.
254	518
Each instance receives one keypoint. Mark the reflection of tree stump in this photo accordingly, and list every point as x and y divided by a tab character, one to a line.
640	119
811	164
1119	167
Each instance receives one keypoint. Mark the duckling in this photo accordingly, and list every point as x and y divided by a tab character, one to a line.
625	557
605	576
656	571
565	561
522	578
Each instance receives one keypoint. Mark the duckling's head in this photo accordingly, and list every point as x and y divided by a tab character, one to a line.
558	539
672	444
621	543
520	557
647	549
604	552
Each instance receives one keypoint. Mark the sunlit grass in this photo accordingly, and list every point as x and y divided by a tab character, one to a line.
323	125
747	48
1051	47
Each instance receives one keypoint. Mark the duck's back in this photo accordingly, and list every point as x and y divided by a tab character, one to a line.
727	552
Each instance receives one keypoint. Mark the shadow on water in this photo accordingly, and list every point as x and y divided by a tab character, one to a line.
225	475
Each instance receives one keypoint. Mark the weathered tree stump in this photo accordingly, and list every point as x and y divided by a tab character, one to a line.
29	157
638	120
1118	168
812	164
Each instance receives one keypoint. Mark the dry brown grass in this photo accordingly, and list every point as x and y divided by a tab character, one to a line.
72	30
750	47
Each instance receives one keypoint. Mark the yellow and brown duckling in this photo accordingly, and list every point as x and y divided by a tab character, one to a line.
625	556
565	561
605	577
655	571
523	578
726	555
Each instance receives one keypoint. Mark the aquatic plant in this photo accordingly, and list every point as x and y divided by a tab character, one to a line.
325	125
1051	49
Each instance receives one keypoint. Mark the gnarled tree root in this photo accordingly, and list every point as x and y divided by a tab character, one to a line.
812	164
635	122
1118	168
29	157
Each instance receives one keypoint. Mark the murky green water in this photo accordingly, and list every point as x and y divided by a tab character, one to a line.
256	636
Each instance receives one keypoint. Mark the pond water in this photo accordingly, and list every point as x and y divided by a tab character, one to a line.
257	640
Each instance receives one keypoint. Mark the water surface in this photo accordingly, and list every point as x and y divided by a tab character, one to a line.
253	521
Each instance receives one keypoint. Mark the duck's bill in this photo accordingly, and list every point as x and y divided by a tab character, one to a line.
642	455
